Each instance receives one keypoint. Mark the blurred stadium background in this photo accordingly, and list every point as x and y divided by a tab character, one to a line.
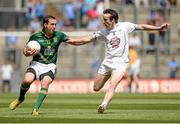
78	64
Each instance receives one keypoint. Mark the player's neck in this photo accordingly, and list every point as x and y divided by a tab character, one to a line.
47	34
112	27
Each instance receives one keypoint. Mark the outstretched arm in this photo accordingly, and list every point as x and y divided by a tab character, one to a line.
151	27
81	40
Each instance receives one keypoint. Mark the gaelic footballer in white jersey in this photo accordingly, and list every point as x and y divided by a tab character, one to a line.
116	60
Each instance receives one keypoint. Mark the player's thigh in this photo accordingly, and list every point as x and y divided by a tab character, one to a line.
46	79
29	77
117	75
115	78
100	80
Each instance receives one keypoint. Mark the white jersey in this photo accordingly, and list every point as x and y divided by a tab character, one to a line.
116	41
7	71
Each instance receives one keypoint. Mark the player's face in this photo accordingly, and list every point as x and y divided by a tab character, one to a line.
108	23
50	26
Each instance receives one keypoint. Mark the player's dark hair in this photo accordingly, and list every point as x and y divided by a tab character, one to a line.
46	19
114	14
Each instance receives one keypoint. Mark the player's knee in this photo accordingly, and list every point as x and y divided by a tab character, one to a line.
25	85
28	80
96	89
46	82
45	85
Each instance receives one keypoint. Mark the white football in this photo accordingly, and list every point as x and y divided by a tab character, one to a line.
34	45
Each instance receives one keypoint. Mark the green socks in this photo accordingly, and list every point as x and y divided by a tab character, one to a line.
24	88
41	97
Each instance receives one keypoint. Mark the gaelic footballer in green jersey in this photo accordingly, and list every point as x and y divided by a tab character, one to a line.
43	64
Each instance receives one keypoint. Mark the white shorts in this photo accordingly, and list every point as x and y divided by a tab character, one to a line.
109	66
41	68
134	69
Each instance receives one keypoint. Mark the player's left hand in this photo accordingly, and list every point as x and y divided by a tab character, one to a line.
164	26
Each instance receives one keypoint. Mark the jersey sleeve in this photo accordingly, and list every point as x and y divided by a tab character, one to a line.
64	37
98	34
130	27
32	37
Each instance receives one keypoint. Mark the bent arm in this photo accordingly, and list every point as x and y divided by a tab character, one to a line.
26	51
81	40
151	27
29	52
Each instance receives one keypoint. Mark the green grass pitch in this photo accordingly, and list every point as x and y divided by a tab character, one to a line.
82	108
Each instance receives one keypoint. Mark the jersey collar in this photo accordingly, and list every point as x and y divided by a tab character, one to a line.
44	34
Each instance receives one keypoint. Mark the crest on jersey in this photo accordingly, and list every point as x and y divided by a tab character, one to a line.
55	39
115	41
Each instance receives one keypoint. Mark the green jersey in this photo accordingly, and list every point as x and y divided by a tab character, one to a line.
49	47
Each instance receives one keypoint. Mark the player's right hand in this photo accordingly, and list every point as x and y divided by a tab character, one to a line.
30	52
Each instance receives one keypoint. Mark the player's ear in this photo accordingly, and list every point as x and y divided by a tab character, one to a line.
45	25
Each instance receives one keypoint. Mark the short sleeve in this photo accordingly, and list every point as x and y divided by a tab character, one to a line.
32	37
64	37
98	34
130	27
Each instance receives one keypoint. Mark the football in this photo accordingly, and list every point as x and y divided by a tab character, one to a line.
34	45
